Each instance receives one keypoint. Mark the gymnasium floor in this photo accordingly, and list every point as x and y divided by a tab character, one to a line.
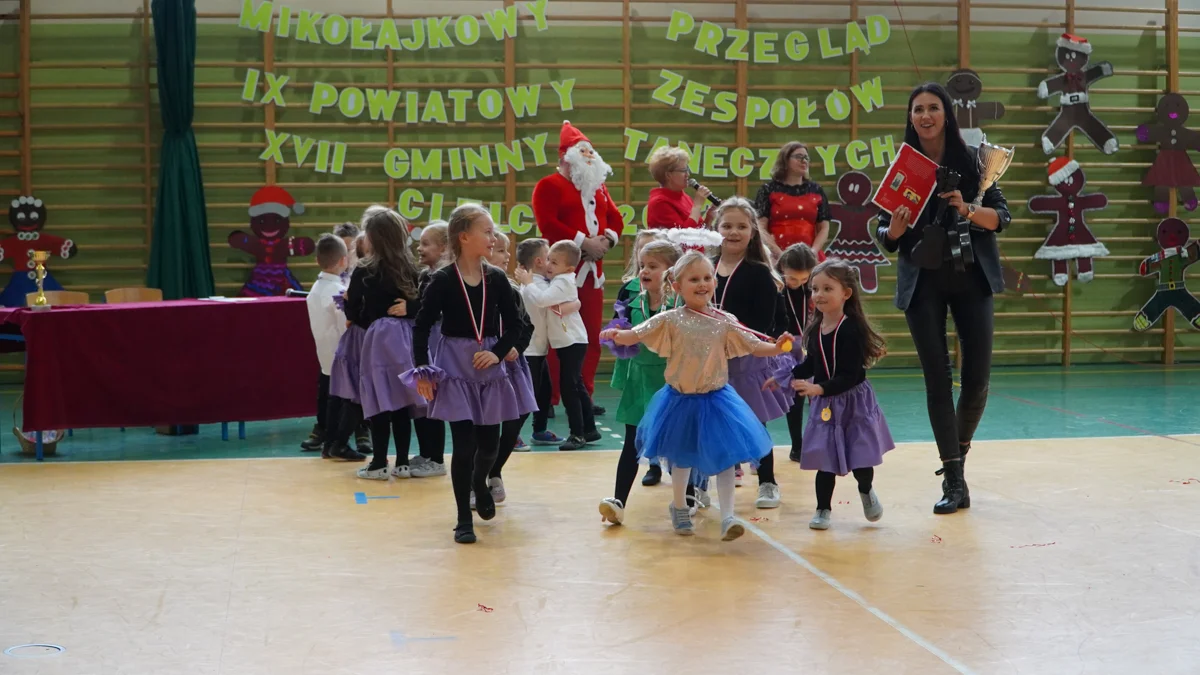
1081	554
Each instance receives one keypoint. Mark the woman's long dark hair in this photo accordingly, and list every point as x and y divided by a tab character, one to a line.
956	155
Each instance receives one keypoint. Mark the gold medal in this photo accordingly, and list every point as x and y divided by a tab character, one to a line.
826	415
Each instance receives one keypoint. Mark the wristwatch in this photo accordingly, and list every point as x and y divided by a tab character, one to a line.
971	212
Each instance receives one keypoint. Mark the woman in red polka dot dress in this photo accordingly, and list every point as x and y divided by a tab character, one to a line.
792	209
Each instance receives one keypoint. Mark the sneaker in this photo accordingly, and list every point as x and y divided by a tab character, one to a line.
573	443
427	468
367	473
820	520
872	509
546	437
681	521
598	411
314	441
768	496
464	534
731	529
592	436
497	488
612	511
417	461
700	500
401	471
738	476
521	445
653	475
345	454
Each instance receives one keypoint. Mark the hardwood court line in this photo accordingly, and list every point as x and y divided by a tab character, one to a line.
858	599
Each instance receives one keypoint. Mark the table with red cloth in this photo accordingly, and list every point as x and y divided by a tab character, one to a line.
157	363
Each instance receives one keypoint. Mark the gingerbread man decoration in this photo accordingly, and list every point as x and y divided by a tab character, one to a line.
1072	89
853	242
27	216
1070	239
1170	263
965	87
1172	167
270	218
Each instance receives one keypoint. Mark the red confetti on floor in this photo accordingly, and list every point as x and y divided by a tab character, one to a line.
843	502
1187	481
485	609
935	539
759	520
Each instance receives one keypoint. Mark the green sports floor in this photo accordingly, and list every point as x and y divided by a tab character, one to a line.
1025	403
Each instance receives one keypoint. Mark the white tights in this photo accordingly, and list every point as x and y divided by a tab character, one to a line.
725	488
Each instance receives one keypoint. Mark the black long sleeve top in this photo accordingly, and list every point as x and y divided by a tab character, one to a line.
369	296
751	297
845	359
443	300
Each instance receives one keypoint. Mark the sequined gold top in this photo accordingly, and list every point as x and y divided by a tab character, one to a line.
697	348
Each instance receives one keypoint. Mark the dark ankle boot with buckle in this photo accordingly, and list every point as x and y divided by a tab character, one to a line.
954	495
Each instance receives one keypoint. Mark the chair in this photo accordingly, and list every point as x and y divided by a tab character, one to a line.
60	298
121	295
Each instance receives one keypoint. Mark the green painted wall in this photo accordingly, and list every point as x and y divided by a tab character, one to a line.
103	209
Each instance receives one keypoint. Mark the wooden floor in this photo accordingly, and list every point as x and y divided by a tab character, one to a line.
1078	556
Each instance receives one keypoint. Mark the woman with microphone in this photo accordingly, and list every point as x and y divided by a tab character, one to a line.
670	207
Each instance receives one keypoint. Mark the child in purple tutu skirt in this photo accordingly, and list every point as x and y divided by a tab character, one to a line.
433	253
697	421
464	379
846	432
382	299
347	418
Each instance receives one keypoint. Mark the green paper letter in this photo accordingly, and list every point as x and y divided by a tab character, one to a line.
856	39
538	10
502	22
509	157
250	87
681	23
564	88
764	47
795	45
335	30
633	139
427	167
693	98
828	155
741	162
878	29
256	18
757	109
538	145
306	27
714	159
359	30
435	108
856	155
324	95
804	114
783	112
478	162
671	82
302	146
708	40
883	151
439	36
395	165
869	93
737	50
726	102
352	102
382	104
466	29
491	103
524	99
837	105
389	37
827	49
460	98
520	219
404	205
275	143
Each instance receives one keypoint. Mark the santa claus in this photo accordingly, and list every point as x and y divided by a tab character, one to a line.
573	204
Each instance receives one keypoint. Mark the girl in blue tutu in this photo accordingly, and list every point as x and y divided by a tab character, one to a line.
697	421
846	432
464	379
382	299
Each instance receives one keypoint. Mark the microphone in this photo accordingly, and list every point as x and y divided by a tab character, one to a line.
695	185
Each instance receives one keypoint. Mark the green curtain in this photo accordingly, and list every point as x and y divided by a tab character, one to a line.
179	258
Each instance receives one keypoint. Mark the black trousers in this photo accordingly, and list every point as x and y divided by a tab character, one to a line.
542	391
475	449
509	431
969	299
323	402
574	392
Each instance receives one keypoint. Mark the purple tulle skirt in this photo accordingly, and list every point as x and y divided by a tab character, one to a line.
386	353
854	437
343	375
463	393
747	375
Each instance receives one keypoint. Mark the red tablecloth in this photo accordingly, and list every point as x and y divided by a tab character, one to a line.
184	362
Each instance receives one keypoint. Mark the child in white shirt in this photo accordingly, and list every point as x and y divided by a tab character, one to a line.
327	322
566	334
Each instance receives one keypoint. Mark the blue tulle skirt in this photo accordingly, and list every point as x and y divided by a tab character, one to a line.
706	432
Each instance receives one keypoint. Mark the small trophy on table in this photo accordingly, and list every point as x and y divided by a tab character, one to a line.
40	257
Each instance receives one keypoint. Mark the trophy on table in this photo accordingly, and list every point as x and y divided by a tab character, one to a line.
40	258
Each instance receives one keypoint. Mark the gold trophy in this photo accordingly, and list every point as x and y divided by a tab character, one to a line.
993	162
40	257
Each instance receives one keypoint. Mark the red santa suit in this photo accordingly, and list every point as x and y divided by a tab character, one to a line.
563	212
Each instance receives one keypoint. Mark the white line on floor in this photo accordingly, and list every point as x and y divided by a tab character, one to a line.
1194	534
879	614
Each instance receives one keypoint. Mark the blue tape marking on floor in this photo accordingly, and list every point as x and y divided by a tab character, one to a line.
360	498
399	639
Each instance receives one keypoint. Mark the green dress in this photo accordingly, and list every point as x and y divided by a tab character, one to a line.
640	377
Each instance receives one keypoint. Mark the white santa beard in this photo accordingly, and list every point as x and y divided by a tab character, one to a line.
587	177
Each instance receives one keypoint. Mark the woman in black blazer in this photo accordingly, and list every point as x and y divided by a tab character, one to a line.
928	284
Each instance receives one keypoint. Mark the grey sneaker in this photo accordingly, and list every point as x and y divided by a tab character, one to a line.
872	509
367	473
612	511
497	487
427	469
731	529
820	520
768	496
681	521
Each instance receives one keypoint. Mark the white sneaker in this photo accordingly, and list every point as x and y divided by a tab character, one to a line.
820	520
401	471
700	501
428	468
872	509
768	496
731	529
367	473
497	488
612	511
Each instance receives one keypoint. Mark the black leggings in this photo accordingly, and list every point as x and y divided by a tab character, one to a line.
346	416
826	480
475	449
509	431
795	422
969	300
541	391
766	468
323	404
431	438
399	424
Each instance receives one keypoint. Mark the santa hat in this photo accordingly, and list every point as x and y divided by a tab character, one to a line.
569	137
1074	43
274	199
1062	169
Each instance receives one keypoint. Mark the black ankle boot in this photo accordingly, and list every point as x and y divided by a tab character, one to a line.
954	495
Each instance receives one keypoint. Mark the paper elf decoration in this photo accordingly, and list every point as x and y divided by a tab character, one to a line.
28	216
1072	89
1070	239
964	87
270	218
1176	256
1172	167
853	242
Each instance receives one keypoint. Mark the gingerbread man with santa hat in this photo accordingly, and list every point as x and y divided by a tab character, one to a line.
574	204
